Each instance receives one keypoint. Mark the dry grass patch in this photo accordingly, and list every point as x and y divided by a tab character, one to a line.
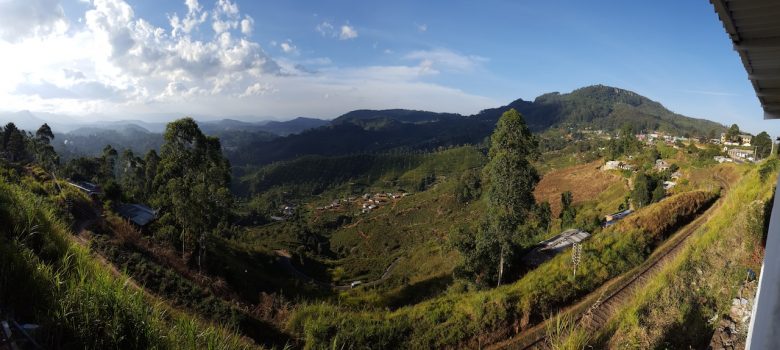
585	181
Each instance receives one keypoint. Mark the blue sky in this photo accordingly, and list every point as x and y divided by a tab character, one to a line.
282	59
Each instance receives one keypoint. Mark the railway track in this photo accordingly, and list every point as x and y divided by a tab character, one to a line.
594	315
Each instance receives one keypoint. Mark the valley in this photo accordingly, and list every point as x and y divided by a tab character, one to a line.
420	239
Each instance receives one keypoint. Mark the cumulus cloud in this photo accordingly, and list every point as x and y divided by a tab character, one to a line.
203	62
348	32
194	18
23	19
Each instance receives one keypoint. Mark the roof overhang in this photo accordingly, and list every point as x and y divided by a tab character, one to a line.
754	28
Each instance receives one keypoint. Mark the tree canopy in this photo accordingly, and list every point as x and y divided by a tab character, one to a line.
510	180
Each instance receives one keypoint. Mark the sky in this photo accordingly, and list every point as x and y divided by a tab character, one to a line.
257	60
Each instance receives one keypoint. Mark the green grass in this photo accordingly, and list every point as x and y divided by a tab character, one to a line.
47	280
700	283
465	319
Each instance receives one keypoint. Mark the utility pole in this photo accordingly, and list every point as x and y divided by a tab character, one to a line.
576	255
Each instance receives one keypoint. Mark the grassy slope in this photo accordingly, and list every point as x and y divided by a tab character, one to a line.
47	279
459	318
672	312
365	244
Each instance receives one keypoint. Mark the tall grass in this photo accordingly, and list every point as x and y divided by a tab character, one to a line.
677	307
46	279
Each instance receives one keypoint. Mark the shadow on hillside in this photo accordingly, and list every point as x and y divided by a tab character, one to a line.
419	291
693	332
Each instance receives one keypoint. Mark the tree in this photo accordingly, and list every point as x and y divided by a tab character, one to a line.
544	215
711	135
192	182
132	175
733	133
151	162
44	134
42	148
659	192
510	180
641	195
568	213
468	187
108	163
763	144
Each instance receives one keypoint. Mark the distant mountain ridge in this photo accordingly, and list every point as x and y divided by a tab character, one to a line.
595	107
361	131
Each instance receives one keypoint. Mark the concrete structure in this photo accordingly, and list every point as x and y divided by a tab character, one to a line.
138	214
754	30
547	249
661	165
741	154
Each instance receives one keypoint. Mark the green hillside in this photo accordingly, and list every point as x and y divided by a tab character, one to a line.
366	131
604	107
79	302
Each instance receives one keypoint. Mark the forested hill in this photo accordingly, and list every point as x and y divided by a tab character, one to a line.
603	107
360	131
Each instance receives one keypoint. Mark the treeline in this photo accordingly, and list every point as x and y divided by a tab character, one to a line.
188	182
20	146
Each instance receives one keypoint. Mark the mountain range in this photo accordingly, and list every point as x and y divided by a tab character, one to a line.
594	107
361	131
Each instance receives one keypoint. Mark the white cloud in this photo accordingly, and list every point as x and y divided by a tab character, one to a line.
125	65
325	29
287	46
247	25
422	27
23	19
257	89
194	18
446	59
348	32
345	32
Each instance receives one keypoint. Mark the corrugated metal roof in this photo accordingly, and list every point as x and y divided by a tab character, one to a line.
139	214
754	28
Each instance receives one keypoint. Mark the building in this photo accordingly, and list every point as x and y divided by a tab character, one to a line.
661	165
722	159
740	154
745	139
138	214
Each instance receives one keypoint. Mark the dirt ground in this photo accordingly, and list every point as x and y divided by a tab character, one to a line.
585	181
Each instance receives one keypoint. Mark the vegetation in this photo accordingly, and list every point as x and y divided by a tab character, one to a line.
78	302
684	303
462	317
510	182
